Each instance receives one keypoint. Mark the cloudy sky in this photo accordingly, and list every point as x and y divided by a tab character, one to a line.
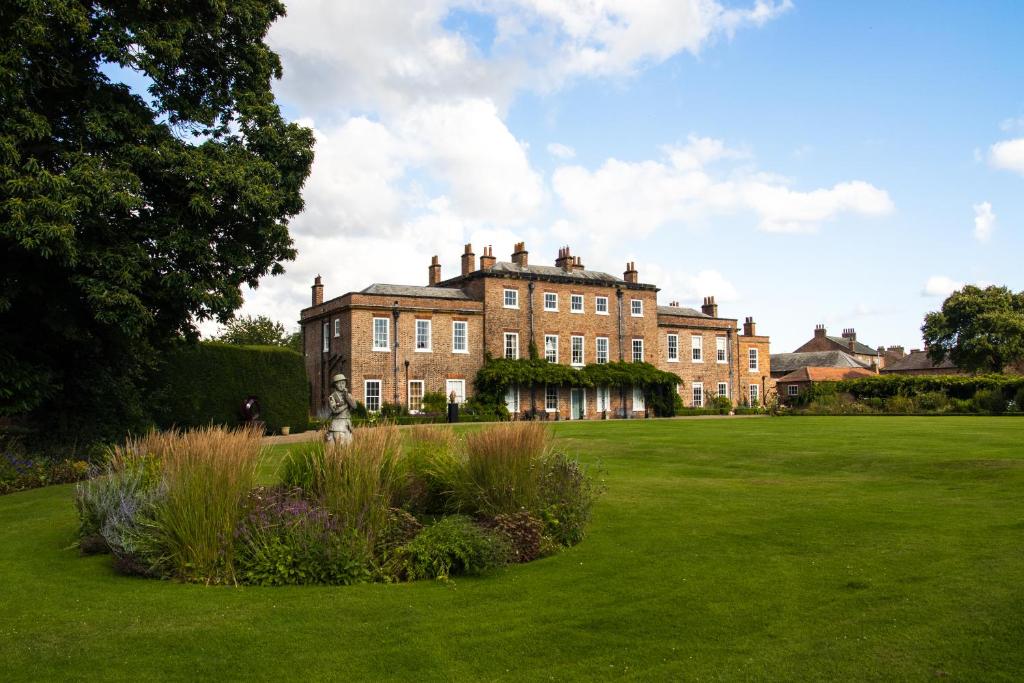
805	162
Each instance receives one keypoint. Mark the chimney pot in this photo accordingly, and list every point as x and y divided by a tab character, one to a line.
710	308
487	260
630	275
318	291
468	260
434	271
749	327
520	256
819	330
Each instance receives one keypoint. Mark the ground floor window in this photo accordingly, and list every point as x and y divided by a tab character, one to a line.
415	396
512	399
698	395
793	390
371	392
638	399
723	389
458	386
755	392
551	399
603	399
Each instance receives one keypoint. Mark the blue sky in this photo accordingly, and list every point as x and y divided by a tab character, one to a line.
802	161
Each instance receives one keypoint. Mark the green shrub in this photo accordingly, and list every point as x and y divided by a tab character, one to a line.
452	546
721	405
931	401
435	402
390	411
205	383
1018	400
962	405
990	401
524	535
568	493
433	467
899	405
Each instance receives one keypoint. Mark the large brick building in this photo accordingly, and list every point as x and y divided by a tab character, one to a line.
395	342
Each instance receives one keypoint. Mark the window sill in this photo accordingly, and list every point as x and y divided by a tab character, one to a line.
424	350
464	351
601	312
673	360
381	350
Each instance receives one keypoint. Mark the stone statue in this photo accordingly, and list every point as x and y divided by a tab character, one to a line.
340	403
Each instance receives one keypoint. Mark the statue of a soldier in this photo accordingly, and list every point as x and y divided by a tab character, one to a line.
340	403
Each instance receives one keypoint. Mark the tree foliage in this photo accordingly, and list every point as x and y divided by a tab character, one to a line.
125	220
981	330
255	330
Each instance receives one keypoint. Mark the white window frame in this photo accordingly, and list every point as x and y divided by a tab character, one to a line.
672	345
697	348
326	337
550	392
387	334
505	298
597	305
636	308
639	403
792	390
721	350
725	386
601	358
430	335
752	360
603	399
754	393
638	344
554	307
573	300
512	399
379	397
460	391
337	327
577	343
514	337
697	394
409	398
548	337
465	336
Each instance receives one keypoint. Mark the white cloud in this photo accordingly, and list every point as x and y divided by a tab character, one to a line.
1008	155
984	221
561	151
940	285
1011	123
633	199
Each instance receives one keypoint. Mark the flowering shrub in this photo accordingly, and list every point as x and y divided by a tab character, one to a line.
19	472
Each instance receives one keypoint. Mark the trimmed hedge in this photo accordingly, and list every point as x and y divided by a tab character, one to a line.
953	386
206	383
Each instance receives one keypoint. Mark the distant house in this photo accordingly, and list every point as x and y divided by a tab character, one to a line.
848	343
917	362
785	363
791	385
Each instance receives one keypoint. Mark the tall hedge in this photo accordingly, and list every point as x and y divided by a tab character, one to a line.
953	386
207	382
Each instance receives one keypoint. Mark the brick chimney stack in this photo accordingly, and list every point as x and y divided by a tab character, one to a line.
850	335
630	275
318	291
749	327
487	259
710	308
577	264
434	271
564	260
819	331
896	351
468	260
520	255
673	304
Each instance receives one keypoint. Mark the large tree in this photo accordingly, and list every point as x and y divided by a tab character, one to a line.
979	329
254	330
125	220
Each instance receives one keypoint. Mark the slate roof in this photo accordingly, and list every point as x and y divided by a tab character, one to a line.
788	362
862	349
825	374
680	310
555	271
416	290
918	360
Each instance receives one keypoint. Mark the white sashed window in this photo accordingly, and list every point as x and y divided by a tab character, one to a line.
337	327
638	399
602	350
415	396
698	395
371	394
550	301
511	298
551	348
697	348
458	386
723	389
423	340
755	393
792	390
381	334
460	336
327	338
721	351
752	359
577	350
673	348
603	399
636	308
512	345
576	303
551	399
601	305
512	399
638	350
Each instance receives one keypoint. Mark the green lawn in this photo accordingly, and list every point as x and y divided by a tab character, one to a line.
791	548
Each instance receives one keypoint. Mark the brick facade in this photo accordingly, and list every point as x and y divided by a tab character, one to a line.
545	307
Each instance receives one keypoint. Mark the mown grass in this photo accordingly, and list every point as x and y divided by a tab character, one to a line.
809	548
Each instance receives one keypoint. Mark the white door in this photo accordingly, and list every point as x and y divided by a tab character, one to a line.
577	400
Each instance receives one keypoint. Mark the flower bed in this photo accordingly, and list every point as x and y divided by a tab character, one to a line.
386	507
19	472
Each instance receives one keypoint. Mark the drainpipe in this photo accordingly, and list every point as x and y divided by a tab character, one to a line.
394	355
533	345
732	365
618	310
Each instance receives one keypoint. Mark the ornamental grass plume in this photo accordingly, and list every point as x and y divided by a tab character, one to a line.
503	468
